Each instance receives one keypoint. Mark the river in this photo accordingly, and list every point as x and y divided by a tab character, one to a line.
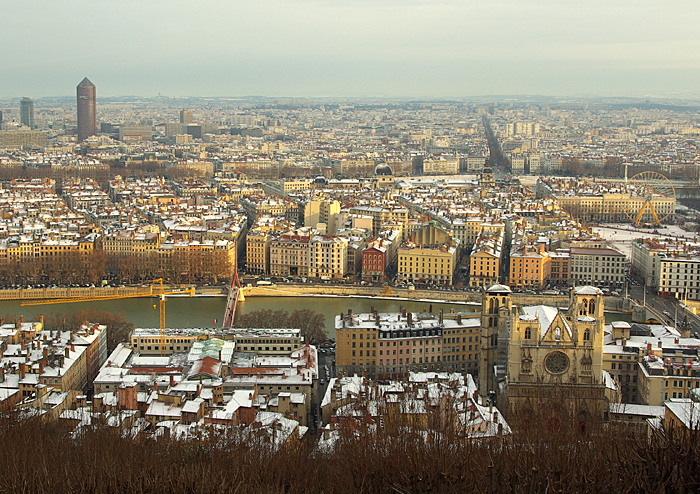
202	312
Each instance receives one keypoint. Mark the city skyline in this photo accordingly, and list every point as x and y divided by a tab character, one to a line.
379	49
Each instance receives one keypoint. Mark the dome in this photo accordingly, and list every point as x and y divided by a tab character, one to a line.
320	180
383	169
487	169
498	289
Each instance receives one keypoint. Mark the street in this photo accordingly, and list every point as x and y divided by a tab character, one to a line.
661	304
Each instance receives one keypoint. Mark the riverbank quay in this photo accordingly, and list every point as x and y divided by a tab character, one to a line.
449	296
291	290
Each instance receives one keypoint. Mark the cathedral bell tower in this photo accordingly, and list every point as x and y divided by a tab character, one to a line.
496	308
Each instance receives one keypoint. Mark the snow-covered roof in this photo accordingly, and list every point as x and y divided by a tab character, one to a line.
587	290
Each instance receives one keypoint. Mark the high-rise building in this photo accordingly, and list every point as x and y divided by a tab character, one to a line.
87	109
186	117
26	112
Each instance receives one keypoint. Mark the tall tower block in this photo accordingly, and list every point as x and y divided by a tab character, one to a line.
87	109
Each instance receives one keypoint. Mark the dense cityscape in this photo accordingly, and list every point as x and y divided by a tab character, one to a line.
562	232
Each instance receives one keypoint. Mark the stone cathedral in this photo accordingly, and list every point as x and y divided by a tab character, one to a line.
542	356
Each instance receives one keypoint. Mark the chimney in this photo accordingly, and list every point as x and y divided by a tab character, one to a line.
172	380
22	370
410	319
67	352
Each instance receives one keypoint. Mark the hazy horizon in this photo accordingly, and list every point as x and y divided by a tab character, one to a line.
384	48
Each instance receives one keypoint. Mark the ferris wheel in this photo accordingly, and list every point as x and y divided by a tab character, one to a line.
658	198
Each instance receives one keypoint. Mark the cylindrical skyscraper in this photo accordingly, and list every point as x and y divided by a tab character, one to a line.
87	109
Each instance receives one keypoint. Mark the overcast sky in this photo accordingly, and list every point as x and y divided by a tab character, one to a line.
393	48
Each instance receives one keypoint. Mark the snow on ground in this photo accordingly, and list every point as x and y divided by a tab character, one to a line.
621	236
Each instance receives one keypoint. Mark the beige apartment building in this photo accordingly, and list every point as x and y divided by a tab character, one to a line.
258	251
391	345
485	259
328	257
441	166
383	216
289	255
433	264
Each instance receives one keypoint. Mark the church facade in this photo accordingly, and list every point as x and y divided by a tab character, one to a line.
555	357
542	357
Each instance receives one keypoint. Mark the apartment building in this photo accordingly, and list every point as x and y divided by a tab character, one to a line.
485	259
530	267
441	166
374	262
382	216
645	263
559	262
266	342
663	379
322	211
467	229
258	251
679	275
434	264
289	254
597	266
328	257
153	341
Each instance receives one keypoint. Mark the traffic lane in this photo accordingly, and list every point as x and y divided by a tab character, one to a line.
661	304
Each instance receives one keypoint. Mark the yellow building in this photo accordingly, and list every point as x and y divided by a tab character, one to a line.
67	371
467	230
427	264
388	346
289	254
665	378
529	267
383	216
258	251
328	256
681	416
610	207
485	259
148	341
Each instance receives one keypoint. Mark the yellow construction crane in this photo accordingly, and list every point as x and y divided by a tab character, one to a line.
161	293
